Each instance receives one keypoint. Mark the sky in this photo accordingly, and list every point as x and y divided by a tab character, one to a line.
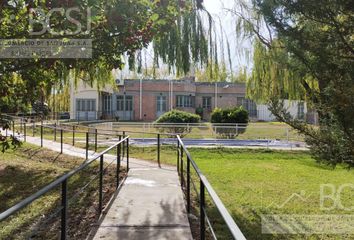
216	6
218	9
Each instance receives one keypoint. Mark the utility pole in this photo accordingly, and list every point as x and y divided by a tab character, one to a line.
216	94
141	99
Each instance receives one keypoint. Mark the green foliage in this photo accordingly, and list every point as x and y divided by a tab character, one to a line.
240	77
177	117
307	54
182	40
219	73
10	141
231	115
274	74
119	28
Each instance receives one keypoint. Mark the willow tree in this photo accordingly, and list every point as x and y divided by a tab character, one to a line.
305	50
118	28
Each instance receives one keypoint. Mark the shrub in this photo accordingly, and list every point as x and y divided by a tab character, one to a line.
177	117
235	115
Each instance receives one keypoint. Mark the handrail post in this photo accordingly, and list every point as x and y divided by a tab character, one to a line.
13	127
55	132
119	149
41	134
178	149
61	141
24	131
87	144
33	128
181	167
188	185
127	154
202	213
100	200
74	135
158	150
64	205
123	148
95	139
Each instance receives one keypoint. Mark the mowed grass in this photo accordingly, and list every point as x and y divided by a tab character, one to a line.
28	169
254	130
255	182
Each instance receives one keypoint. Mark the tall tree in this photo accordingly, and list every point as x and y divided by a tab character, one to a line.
305	50
118	27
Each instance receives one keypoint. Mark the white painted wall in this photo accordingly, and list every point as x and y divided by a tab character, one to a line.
85	91
265	115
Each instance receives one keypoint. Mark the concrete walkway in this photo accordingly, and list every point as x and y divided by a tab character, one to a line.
149	205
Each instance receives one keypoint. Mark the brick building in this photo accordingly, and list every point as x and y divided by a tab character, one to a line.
146	100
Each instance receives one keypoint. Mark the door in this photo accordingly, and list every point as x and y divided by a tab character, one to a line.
107	106
125	109
161	105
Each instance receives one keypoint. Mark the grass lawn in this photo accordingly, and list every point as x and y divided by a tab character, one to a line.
255	182
29	168
254	130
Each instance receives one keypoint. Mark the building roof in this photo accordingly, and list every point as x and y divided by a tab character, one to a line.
191	81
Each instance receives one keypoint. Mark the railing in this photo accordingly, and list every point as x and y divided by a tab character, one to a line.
63	181
205	130
204	187
210	131
20	125
184	163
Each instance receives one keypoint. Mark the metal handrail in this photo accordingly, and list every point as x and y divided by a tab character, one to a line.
204	184
191	125
117	131
56	183
232	226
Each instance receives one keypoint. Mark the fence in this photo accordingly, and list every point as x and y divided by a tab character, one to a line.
251	131
204	130
63	182
184	163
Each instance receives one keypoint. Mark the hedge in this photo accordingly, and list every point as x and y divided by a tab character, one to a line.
177	117
237	115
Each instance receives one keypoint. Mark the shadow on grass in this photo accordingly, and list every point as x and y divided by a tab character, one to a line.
41	219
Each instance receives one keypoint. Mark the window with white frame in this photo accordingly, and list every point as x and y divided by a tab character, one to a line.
107	103
85	105
207	102
126	101
184	101
161	103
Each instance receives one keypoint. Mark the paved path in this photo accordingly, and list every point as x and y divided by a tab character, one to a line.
149	205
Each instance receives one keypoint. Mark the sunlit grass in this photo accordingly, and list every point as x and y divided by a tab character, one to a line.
254	182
